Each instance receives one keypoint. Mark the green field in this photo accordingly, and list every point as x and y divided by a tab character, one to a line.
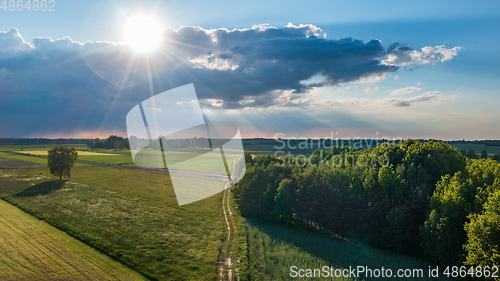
41	147
80	153
24	158
30	159
131	216
492	150
34	250
273	249
106	156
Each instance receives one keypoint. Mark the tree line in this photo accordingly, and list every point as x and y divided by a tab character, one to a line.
112	142
430	201
484	154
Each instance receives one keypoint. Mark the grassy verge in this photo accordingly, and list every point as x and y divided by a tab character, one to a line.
31	249
132	216
273	249
241	243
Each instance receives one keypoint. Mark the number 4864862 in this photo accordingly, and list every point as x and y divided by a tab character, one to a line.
35	5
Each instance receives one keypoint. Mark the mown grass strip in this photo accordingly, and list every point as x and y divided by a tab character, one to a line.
31	249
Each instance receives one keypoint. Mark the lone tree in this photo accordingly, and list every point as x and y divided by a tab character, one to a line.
471	154
484	154
61	159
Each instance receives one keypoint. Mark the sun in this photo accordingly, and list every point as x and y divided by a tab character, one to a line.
142	33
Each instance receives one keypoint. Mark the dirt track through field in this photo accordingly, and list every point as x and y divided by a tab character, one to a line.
227	261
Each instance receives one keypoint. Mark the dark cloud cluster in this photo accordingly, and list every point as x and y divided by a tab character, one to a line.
231	65
87	86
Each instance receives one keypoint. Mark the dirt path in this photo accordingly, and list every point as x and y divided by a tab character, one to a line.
230	244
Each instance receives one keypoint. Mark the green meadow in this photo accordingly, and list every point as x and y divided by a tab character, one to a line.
273	249
132	216
30	159
492	150
106	156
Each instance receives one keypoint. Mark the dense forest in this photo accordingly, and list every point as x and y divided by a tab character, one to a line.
425	199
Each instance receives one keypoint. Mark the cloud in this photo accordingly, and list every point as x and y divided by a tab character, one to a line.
424	98
60	85
405	56
371	89
11	43
404	91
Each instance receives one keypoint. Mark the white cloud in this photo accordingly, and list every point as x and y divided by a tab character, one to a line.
373	78
12	44
312	30
428	97
405	56
404	91
371	89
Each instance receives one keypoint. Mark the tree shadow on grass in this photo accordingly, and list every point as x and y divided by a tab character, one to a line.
337	252
43	188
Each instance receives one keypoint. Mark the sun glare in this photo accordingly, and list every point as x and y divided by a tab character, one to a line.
142	34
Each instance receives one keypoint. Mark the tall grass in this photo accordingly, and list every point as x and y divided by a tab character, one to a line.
273	249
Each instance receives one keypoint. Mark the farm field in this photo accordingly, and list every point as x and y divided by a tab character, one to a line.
41	147
273	249
34	250
40	161
80	153
492	150
208	165
7	163
132	216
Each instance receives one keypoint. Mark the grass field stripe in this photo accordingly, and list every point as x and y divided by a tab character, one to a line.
73	263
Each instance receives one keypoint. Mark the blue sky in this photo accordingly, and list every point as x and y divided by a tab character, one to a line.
364	87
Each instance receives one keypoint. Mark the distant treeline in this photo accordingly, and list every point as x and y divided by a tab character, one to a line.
471	153
485	142
112	142
430	202
40	141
